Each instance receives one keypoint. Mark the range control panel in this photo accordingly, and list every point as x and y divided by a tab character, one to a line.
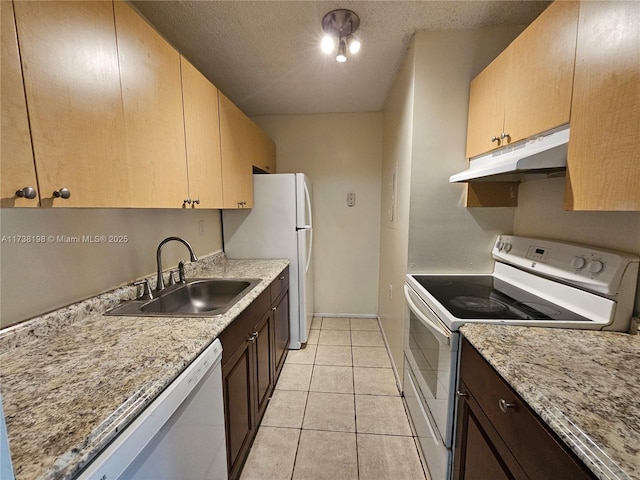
581	265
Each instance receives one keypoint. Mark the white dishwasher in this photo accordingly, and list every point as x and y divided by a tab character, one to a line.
180	435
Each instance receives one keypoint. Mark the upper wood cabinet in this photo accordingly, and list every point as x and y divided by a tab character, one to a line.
202	137
17	170
603	165
541	73
153	115
99	110
72	84
237	132
526	90
486	106
265	151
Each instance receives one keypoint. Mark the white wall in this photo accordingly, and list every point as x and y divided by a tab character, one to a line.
540	213
40	277
394	211
341	153
443	234
425	136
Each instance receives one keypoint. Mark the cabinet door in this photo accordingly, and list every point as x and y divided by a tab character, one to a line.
486	107
238	387
72	85
281	327
264	151
540	76
603	165
202	132
153	116
16	156
263	344
236	131
476	457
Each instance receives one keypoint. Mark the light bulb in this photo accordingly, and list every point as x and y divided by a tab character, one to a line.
354	44
327	45
342	51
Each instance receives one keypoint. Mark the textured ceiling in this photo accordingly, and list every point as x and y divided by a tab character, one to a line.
265	55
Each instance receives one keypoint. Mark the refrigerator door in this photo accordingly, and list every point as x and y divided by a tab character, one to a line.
305	252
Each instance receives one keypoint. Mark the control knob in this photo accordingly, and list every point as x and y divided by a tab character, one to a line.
578	263
507	247
596	266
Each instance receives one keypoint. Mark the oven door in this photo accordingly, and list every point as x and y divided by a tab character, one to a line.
431	352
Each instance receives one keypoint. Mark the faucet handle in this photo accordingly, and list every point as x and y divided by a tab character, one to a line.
146	292
181	276
172	278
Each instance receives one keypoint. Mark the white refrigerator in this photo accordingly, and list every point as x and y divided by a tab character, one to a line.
279	226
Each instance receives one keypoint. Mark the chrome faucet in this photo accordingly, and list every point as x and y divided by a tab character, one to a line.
160	282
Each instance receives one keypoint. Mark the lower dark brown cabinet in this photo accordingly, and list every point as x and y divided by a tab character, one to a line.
498	436
254	349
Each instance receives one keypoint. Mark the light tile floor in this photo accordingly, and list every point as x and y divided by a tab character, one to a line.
336	412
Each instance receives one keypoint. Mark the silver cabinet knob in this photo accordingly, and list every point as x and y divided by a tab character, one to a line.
63	193
504	406
27	192
196	201
187	201
274	309
252	337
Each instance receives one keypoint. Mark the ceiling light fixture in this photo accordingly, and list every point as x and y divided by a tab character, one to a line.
339	26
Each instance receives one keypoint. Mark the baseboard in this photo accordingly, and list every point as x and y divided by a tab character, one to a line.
393	365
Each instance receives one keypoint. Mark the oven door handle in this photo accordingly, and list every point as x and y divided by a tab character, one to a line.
443	336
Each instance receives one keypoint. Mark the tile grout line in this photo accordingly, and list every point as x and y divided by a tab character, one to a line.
355	414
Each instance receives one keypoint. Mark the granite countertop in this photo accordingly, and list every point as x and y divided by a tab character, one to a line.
584	384
74	378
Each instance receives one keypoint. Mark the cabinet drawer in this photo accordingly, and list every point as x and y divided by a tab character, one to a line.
279	284
533	445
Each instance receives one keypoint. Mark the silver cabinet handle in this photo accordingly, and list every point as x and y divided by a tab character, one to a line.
196	201
495	139
63	193
282	277
186	201
461	394
253	336
27	192
504	135
504	406
274	308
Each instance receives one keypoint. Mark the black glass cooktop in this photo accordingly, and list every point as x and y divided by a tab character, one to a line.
484	296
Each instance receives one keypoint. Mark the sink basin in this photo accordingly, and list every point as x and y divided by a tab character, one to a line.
204	297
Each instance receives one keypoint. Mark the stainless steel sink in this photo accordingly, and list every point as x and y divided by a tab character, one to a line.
200	297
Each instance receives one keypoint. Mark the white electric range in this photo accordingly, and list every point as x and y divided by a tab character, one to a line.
535	282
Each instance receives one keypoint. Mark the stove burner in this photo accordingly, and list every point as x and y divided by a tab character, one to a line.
478	304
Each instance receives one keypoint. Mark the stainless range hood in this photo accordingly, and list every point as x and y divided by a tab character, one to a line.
541	154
